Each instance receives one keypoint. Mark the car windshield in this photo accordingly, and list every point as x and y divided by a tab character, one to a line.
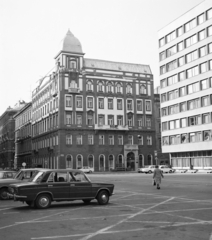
37	176
25	175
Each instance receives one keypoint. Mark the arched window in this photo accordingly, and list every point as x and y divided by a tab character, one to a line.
119	88
101	163
110	87
100	87
129	89
69	161
79	161
111	162
141	160
90	161
149	159
89	86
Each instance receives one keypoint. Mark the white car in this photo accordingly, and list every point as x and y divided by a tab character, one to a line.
87	169
147	169
166	169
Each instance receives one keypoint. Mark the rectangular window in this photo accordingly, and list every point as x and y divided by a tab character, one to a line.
110	120
148	122
139	105
120	140
90	139
68	118
79	139
209	31
191	40
171	51
148	106
203	67
181	76
149	140
200	18
210	48
190	25
130	139
101	140
179	31
191	56
161	42
130	121
101	120
205	118
68	139
180	46
129	104
140	121
68	101
209	14
172	65
79	102
205	101
140	140
192	72
120	120
183	122
182	91
201	35
202	51
90	102
110	103
79	119
111	140
119	104
162	56
90	119
162	69
204	84
101	103
180	61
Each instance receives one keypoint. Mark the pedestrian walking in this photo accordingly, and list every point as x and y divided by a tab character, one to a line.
157	175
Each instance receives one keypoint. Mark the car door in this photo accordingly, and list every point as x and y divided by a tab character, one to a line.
58	185
80	187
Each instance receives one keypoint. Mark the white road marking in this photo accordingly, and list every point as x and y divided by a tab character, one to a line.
11	212
124	220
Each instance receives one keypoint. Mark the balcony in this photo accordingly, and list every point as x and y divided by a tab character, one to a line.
111	127
73	90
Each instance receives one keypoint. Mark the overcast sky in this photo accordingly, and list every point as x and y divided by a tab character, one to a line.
31	34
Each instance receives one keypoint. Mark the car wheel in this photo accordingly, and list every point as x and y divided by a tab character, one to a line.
150	171
103	198
90	171
170	171
43	201
3	194
86	201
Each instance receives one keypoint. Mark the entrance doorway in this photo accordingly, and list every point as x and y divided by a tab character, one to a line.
131	161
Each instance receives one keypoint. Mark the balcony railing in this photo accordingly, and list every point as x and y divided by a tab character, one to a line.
111	127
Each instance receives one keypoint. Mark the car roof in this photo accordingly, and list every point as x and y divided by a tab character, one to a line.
7	171
58	170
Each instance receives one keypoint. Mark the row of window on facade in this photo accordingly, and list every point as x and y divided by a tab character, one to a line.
186	90
186	27
187	105
111	87
142	121
110	103
185	44
188	138
183	60
201	162
89	140
207	153
23	118
45	109
24	131
199	119
45	94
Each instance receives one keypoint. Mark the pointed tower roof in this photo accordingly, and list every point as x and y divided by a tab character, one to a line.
71	43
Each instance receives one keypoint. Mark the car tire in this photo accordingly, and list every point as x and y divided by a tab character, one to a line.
86	201
43	201
3	194
150	171
170	171
90	171
103	197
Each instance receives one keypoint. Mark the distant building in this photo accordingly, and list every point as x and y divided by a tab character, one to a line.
185	53
23	138
95	113
7	136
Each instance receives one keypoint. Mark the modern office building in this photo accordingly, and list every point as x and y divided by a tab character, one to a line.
23	137
95	113
185	61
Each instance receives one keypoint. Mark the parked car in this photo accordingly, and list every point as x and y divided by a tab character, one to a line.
147	169
22	175
7	174
166	169
87	169
60	185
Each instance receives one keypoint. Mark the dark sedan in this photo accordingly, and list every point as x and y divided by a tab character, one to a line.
60	185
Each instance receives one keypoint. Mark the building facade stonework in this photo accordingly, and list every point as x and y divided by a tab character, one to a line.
91	112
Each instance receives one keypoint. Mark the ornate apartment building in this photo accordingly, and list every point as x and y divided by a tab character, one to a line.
185	53
95	113
23	141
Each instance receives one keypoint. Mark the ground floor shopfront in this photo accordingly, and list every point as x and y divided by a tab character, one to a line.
192	160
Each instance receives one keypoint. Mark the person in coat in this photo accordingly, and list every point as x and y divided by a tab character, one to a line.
157	175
